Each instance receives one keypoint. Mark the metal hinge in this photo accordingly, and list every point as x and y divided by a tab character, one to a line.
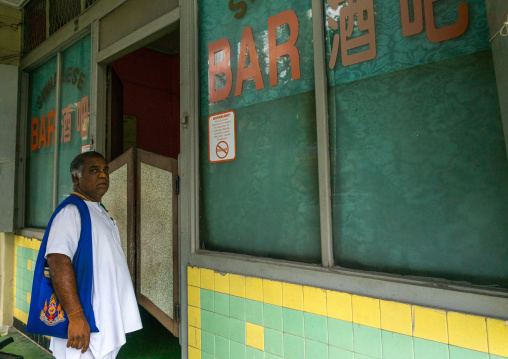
177	313
177	184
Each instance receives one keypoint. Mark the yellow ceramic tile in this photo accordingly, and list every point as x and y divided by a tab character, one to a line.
498	337
207	279
338	305
292	296
221	282
194	337
28	297
237	285
314	300
467	331
396	317
194	353
430	324
366	311
17	240
254	288
37	244
255	336
194	316
194	296
22	316
272	292
193	276
29	264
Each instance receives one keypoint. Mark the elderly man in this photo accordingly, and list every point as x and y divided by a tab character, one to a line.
113	300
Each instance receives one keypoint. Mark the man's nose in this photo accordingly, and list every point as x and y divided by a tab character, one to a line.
102	174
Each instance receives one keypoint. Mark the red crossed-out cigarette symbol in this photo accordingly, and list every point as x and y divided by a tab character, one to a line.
222	149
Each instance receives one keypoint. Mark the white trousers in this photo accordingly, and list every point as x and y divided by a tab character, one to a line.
60	351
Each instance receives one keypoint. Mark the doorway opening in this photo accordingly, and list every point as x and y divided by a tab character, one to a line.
143	110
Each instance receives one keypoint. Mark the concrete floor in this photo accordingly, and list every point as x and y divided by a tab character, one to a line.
151	342
23	346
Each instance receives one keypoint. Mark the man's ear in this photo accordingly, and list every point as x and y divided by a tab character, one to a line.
75	179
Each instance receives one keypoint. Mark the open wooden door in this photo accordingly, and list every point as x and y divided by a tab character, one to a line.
157	237
142	198
120	203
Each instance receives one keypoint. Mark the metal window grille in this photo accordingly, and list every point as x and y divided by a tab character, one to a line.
34	21
89	3
42	18
61	12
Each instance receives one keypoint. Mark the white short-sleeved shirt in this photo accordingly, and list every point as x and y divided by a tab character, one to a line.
113	299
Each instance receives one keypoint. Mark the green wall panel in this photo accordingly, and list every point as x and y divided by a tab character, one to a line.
265	202
420	175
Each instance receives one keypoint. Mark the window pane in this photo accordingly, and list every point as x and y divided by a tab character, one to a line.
419	167
74	119
41	141
265	200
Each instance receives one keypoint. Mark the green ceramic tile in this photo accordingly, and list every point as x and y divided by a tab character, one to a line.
340	334
294	347
26	286
237	330
221	325
271	356
463	353
33	265
207	321
253	353
221	347
25	307
337	353
273	342
315	350
206	300
315	327
397	346
367	340
205	355
292	321
427	349
237	308
221	302
254	312
492	356
361	356
207	342
237	350
272	316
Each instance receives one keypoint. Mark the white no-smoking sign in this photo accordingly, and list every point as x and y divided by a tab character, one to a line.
221	137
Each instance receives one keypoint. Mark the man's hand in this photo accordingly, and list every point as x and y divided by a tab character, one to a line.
64	283
79	332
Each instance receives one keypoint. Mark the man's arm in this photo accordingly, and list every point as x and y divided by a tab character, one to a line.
63	279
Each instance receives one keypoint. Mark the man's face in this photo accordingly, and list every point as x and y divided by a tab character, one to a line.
94	180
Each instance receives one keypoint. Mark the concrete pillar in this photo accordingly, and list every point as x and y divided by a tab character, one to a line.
6	278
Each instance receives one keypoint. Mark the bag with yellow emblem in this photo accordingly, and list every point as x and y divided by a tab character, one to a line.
46	316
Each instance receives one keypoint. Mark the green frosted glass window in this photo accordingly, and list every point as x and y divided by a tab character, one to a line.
419	167
41	149
74	114
263	202
73	129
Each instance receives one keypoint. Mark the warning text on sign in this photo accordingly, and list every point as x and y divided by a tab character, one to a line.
221	137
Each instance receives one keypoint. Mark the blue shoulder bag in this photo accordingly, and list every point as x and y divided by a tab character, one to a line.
46	316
